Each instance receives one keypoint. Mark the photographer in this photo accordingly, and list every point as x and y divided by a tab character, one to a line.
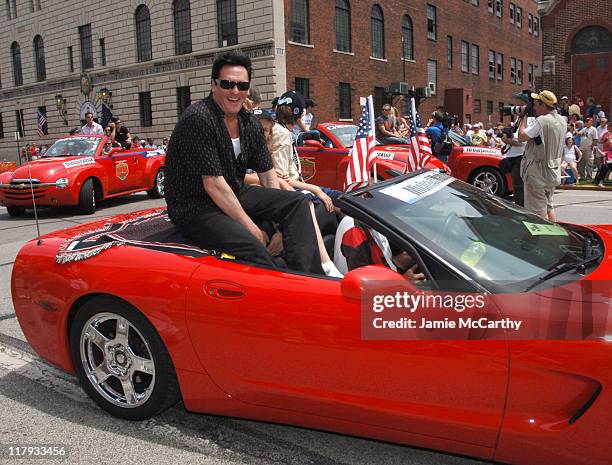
438	132
541	164
513	152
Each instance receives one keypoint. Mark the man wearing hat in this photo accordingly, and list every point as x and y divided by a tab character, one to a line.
541	164
564	107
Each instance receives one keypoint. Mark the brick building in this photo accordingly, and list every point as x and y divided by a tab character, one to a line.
578	49
473	54
153	57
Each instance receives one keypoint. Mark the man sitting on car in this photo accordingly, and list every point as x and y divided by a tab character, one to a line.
356	245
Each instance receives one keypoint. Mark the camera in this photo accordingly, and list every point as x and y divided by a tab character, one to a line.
518	110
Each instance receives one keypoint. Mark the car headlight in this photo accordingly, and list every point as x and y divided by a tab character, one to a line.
61	183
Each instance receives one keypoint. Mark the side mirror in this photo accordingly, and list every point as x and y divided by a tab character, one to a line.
313	143
355	282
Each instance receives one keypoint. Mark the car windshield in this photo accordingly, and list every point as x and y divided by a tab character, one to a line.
345	133
74	147
482	235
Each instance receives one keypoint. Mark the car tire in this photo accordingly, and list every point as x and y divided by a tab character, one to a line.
158	188
16	211
87	198
490	180
131	376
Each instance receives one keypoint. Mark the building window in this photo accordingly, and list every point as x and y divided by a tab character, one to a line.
146	115
38	5
86	46
17	72
31	6
500	66
513	70
489	107
227	24
491	64
465	56
432	75
475	59
102	52
512	13
19	127
9	13
142	17
182	27
183	99
300	31
378	32
344	101
379	99
302	85
477	106
536	27
499	8
39	59
343	26
41	121
14	8
407	42
490	6
518	17
475	2
530	75
530	23
449	51
431	22
519	72
70	59
1	127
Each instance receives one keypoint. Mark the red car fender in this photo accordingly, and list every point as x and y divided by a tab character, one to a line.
77	179
154	163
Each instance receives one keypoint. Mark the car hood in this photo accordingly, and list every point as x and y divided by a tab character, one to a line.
49	169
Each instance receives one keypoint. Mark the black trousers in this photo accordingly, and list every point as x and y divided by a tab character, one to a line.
212	229
517	181
602	172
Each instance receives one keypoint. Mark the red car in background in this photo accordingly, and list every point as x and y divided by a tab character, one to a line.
325	164
77	171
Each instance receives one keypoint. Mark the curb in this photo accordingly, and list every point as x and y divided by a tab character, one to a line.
585	187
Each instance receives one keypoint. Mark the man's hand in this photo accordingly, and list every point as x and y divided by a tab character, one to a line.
260	235
269	179
275	247
411	274
326	199
282	175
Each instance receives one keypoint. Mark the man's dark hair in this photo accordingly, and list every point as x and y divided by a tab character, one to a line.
88	113
114	119
231	59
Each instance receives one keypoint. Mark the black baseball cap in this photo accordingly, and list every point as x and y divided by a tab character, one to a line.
294	100
261	113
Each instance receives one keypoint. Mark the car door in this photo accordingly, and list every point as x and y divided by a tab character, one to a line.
123	170
294	342
320	164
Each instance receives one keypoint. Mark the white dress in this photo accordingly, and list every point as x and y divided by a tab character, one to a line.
569	154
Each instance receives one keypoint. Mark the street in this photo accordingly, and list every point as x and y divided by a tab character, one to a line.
42	405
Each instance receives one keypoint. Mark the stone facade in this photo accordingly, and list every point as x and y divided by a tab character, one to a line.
57	22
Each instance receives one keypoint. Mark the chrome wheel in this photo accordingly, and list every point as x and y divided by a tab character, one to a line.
159	182
117	360
487	181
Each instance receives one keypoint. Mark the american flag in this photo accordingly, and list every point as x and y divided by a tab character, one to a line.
41	123
420	147
362	155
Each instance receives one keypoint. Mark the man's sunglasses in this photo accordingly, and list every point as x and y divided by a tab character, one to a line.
227	85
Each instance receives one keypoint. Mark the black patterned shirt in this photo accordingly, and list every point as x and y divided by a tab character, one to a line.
201	146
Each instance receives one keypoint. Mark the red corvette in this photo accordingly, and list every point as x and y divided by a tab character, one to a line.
76	171
144	320
325	164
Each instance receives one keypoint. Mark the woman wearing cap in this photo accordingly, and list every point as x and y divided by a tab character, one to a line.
571	157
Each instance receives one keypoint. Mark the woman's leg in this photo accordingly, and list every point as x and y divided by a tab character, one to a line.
326	262
575	171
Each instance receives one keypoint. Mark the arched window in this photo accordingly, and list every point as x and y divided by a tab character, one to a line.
39	59
143	33
17	73
592	39
408	47
182	26
343	26
227	25
378	32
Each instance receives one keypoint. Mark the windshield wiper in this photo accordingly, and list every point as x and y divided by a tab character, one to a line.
564	267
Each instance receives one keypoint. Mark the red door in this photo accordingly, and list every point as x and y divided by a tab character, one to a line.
124	171
591	77
320	166
294	342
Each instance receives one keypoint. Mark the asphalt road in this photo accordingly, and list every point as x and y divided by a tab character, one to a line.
42	405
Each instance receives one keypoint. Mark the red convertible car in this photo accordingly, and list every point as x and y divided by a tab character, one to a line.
77	171
325	163
229	337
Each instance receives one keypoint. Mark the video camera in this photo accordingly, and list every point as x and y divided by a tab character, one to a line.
520	110
450	120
